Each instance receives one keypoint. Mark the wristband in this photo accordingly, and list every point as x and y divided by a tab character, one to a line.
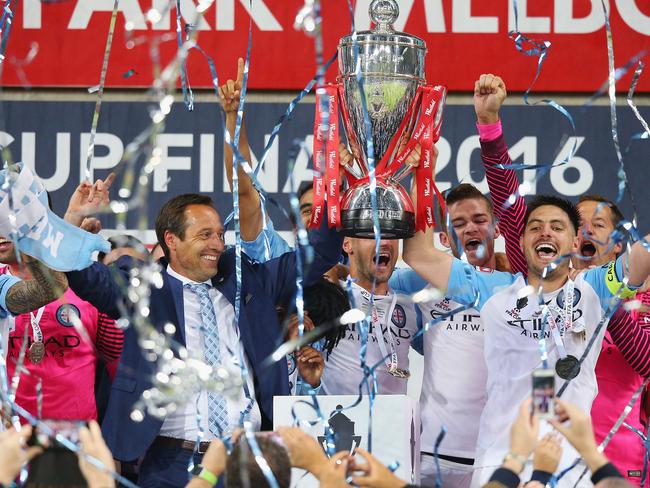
489	132
208	476
517	457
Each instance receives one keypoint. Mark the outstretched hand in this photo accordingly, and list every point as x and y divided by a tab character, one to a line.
489	95
87	199
15	452
230	91
92	444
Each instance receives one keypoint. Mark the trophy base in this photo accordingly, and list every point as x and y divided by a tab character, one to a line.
393	224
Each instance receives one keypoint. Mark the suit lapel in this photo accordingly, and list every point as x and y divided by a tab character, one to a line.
176	289
226	284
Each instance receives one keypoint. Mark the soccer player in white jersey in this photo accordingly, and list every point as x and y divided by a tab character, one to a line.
454	379
391	325
452	395
514	321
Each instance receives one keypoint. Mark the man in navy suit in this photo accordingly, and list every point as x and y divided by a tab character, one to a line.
190	233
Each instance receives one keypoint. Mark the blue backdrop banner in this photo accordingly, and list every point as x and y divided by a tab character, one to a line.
53	137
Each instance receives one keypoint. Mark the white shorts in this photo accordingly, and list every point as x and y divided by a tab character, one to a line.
453	475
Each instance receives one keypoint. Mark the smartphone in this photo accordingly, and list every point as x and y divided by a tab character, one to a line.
544	393
67	428
56	466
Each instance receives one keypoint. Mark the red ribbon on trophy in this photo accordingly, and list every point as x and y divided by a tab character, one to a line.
429	102
326	158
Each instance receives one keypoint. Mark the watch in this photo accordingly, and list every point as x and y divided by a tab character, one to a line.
205	474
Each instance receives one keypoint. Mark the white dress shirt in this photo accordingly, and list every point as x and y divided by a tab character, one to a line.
182	424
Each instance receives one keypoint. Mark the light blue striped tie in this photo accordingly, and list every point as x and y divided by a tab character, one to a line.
217	407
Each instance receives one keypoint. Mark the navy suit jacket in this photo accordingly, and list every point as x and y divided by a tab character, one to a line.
264	285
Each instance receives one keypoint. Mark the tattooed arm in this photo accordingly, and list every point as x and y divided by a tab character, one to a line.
44	287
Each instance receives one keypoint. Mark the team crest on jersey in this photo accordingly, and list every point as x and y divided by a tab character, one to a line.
444	305
399	316
291	363
65	314
560	298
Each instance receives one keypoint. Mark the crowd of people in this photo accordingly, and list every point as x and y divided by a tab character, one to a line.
568	296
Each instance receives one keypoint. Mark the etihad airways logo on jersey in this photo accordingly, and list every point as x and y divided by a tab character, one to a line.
55	346
352	333
461	322
532	327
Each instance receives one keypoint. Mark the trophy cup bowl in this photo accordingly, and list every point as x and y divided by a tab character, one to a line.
392	69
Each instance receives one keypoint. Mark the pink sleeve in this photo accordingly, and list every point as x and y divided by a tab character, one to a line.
503	184
633	340
109	342
489	132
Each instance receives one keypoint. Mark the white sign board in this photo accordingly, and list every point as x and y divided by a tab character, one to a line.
395	428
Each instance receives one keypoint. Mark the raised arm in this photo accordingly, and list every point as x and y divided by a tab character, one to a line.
250	213
489	95
98	285
44	287
639	263
421	254
633	340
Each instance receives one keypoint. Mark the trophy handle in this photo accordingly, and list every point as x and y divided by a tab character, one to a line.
355	169
406	169
401	173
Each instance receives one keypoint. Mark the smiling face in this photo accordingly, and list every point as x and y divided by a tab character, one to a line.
196	255
475	231
596	227
548	235
362	261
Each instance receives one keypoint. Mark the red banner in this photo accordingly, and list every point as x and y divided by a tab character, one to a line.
465	38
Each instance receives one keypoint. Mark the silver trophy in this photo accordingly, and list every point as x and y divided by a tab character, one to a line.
392	70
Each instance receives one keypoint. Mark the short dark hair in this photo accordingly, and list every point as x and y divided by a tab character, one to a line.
617	215
565	205
326	301
304	187
464	191
171	218
242	458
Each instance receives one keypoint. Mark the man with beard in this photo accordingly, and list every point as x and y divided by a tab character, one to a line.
392	324
626	348
65	338
515	324
61	356
454	396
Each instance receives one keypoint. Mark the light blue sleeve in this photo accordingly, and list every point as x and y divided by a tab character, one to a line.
257	249
606	281
303	388
468	286
6	282
405	280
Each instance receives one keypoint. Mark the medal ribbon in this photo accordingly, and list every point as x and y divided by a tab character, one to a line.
389	359
567	320
36	329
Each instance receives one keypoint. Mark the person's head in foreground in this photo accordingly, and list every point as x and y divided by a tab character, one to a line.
242	469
